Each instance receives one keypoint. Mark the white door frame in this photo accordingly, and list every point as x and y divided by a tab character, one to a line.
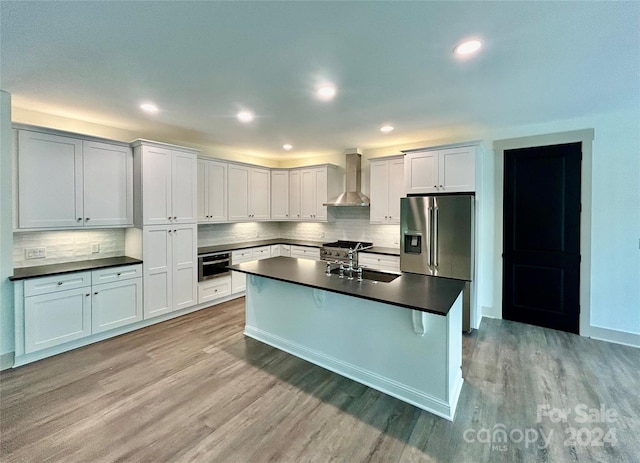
586	138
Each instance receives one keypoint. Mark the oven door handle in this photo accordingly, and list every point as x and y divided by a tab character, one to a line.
215	262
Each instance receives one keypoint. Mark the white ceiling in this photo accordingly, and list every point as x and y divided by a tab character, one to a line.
392	62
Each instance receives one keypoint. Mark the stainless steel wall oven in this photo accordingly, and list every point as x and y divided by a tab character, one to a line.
213	265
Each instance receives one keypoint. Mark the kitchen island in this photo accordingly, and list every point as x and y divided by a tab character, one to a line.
403	338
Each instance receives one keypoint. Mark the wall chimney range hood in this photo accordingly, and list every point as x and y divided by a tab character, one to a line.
353	173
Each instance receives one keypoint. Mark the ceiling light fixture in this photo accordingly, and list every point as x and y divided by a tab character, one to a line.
287	147
245	116
326	92
467	48
386	128
149	108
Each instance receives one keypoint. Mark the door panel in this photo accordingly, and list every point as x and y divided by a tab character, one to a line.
108	184
156	193
49	181
183	187
541	279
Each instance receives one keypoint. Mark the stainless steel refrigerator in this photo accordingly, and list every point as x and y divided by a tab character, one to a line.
437	238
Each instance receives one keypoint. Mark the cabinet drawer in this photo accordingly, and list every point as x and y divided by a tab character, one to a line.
305	252
214	289
238	257
379	261
262	252
55	283
124	272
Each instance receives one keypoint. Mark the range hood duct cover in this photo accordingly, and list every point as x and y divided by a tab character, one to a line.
353	173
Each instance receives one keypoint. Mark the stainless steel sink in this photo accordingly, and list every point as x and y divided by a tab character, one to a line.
373	275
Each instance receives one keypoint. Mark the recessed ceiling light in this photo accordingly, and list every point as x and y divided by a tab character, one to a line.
467	48
245	116
149	108
326	91
386	128
287	147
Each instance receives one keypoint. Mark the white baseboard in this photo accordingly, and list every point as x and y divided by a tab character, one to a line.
618	337
6	361
491	312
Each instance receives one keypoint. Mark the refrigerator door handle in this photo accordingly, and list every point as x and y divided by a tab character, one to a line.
435	237
427	241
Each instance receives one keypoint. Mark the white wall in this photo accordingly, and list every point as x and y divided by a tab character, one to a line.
6	237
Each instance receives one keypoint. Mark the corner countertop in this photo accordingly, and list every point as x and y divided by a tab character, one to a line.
253	244
419	292
311	244
25	273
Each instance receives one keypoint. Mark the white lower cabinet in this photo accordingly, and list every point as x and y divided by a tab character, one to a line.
216	288
383	262
278	250
170	268
239	280
116	304
55	318
305	252
63	308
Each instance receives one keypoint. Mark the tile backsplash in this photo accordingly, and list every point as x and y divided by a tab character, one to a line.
67	245
352	223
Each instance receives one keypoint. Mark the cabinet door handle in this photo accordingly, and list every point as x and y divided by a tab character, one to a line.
96	293
79	219
119	273
175	218
441	187
168	218
59	283
87	219
88	294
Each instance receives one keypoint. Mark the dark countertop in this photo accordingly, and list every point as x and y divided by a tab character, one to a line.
311	244
381	250
69	267
419	292
253	244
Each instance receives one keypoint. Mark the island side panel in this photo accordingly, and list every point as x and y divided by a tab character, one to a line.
370	342
454	341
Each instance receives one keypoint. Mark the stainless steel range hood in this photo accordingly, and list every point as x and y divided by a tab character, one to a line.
353	173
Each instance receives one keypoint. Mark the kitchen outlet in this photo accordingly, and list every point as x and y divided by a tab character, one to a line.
35	253
95	248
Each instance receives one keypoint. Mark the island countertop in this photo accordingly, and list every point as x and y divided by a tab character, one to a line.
419	292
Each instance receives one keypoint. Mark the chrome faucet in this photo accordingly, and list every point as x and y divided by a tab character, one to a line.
328	271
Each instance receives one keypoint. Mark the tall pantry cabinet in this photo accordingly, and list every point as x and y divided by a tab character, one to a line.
166	211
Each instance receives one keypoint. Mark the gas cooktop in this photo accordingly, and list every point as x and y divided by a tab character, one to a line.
348	245
339	250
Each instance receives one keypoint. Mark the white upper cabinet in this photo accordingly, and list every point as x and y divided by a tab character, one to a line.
315	186
449	170
249	193
108	184
279	195
260	194
294	194
92	185
167	177
212	191
387	187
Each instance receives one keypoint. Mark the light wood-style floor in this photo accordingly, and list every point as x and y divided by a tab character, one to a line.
195	389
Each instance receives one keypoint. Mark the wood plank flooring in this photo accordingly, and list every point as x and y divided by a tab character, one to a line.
194	389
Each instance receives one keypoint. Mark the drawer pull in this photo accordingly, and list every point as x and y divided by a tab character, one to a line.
59	283
95	293
119	273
